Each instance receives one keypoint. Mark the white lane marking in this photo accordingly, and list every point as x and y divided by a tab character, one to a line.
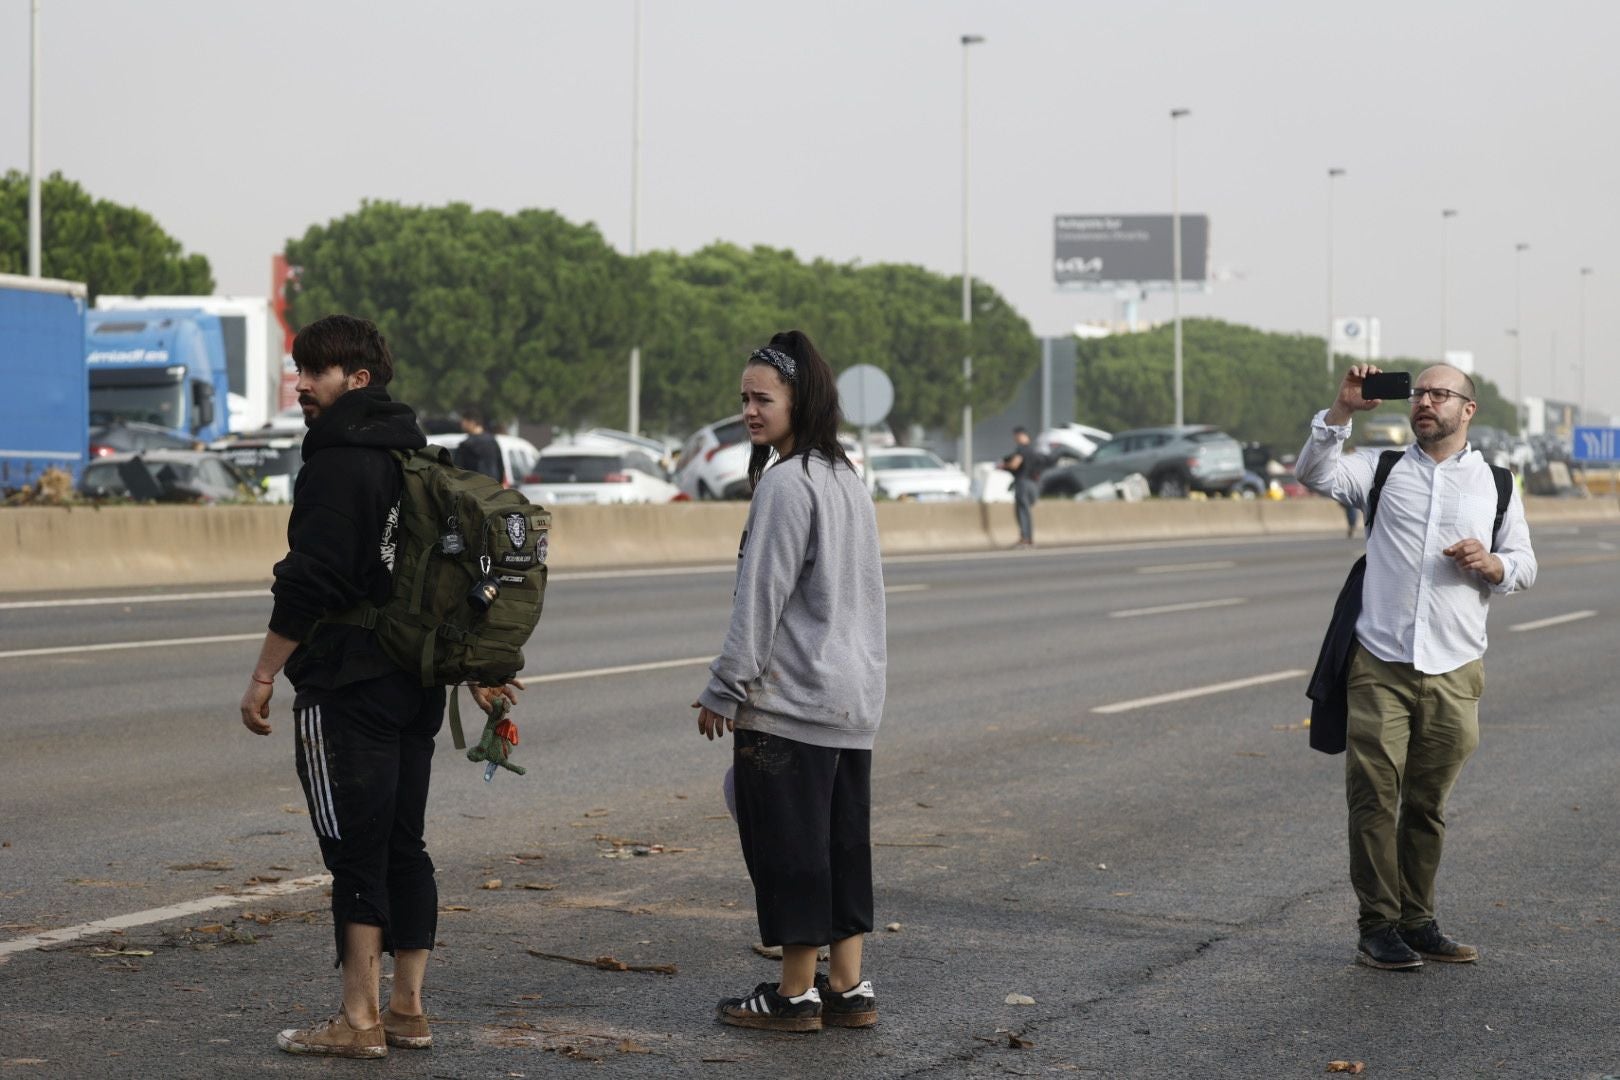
1200	691
165	598
1165	609
905	588
627	669
1186	568
108	646
162	914
1556	620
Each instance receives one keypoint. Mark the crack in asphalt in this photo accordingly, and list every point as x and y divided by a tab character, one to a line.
972	1053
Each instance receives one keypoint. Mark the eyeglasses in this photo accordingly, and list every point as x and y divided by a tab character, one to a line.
1436	394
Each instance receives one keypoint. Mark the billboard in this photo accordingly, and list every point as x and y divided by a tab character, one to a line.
1357	336
1108	248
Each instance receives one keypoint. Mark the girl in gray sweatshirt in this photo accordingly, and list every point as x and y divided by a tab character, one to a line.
800	680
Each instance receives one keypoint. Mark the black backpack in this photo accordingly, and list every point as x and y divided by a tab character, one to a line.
1327	690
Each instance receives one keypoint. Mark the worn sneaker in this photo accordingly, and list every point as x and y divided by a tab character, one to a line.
1431	944
765	1008
1384	949
335	1038
854	1008
406	1032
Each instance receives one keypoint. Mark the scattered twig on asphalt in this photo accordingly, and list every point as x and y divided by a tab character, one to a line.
607	963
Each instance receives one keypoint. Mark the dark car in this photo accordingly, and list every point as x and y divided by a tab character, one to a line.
133	437
269	460
1174	460
165	476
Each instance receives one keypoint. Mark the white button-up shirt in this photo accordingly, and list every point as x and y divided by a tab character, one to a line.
1417	606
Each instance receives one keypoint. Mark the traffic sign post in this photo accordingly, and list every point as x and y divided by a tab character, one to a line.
1596	445
866	396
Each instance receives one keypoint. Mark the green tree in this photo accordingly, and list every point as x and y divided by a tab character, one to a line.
534	317
526	314
1253	384
109	247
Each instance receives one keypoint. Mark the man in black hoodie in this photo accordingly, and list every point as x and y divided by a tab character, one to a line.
365	727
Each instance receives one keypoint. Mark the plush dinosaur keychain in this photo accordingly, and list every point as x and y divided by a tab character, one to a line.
500	735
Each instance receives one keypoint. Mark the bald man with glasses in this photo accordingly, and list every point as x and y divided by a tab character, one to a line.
1415	681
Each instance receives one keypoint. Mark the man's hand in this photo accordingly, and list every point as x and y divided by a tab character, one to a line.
1350	400
711	723
1472	556
256	707
485	696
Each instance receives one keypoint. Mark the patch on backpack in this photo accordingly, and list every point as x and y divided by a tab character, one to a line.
517	529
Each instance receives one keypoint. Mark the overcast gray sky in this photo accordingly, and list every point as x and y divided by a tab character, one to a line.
834	128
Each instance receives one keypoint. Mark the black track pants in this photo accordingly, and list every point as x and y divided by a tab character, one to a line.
804	815
365	753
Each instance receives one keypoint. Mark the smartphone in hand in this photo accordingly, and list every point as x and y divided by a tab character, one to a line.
1387	386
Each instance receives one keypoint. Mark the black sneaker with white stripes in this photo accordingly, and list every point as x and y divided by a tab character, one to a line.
854	1008
765	1008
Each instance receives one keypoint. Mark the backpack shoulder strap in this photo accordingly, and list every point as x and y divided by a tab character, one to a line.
1386	462
1504	495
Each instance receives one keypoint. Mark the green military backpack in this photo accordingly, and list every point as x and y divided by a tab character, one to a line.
469	575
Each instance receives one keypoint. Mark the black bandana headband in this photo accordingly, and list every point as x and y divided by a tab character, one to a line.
781	361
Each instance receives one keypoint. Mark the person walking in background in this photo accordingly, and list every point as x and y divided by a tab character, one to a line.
480	451
1435	556
365	727
801	682
1025	465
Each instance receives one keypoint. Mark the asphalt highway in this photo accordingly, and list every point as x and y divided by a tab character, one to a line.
1092	788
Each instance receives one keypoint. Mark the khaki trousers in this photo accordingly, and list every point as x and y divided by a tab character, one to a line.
1408	737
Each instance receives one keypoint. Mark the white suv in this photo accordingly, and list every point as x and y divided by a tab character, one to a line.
714	461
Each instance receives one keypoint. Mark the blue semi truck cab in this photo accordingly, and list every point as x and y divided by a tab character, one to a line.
158	367
44	416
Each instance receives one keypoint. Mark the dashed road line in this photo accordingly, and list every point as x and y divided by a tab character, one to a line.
110	646
1556	620
1166	609
162	914
1186	568
1200	691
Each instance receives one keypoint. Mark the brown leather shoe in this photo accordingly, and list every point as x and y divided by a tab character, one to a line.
335	1038
406	1032
1431	944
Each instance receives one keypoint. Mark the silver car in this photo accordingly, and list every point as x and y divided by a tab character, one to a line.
1174	460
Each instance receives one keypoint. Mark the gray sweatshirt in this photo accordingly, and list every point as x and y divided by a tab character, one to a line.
806	654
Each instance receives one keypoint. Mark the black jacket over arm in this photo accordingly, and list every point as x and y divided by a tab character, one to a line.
340	537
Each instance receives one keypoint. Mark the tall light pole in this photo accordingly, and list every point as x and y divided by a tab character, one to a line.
634	424
1586	272
968	41
1518	354
1175	254
34	252
1445	295
1332	175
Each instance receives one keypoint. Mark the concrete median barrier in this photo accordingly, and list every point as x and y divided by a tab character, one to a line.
57	548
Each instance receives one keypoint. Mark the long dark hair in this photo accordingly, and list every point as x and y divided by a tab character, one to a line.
815	414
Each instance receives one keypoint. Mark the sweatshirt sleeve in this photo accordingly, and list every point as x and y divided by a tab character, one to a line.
773	558
329	547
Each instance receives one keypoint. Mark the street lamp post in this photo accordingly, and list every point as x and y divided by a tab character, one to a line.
1586	272
968	40
1175	255
1332	175
1445	294
35	260
634	424
1518	353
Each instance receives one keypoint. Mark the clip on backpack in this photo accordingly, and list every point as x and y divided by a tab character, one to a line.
1329	694
469	578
